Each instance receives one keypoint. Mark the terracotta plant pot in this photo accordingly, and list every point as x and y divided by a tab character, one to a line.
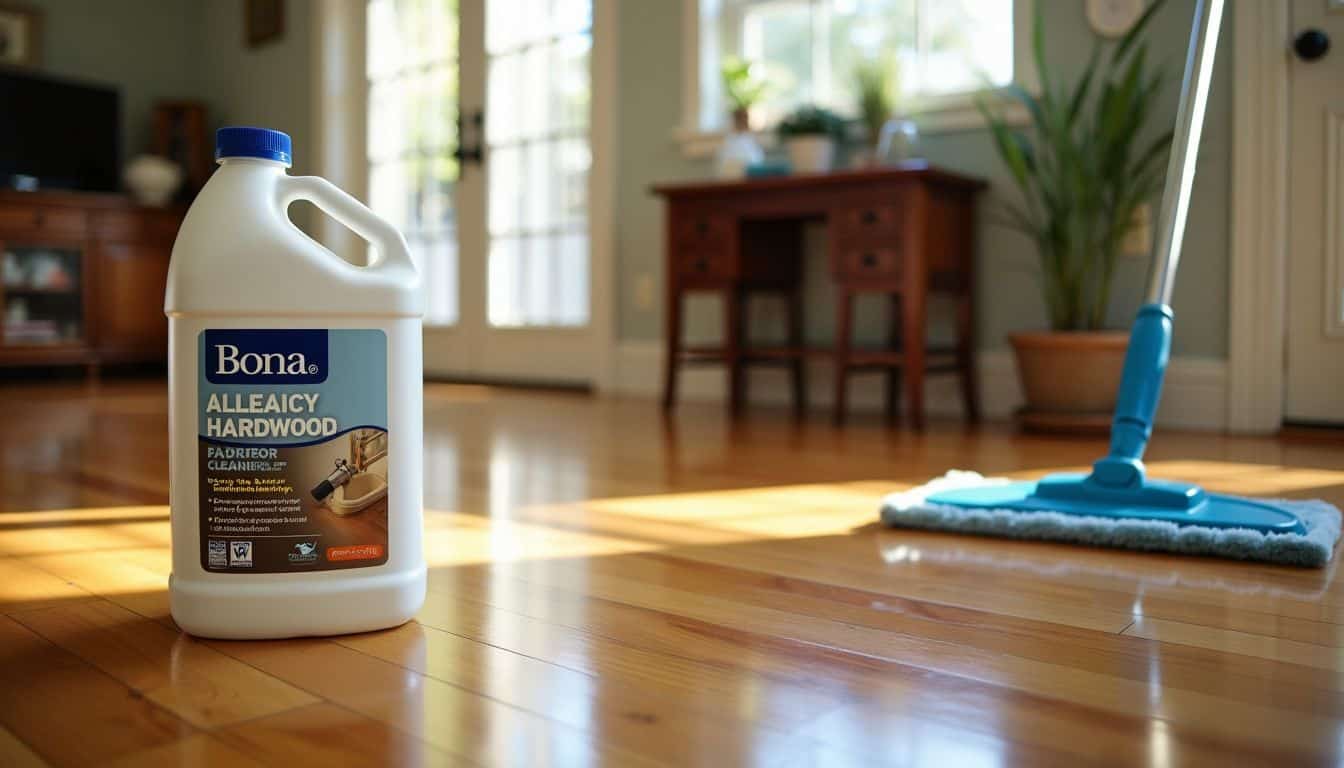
1069	378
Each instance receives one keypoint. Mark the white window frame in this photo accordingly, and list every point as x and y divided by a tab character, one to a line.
934	114
338	36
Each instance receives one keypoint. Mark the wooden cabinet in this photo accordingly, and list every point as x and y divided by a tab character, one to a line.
83	279
131	279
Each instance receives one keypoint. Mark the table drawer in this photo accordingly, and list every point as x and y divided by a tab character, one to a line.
857	260
23	218
704	262
63	221
40	219
867	222
148	227
695	230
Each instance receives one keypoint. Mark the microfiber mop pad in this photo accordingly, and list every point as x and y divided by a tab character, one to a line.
910	509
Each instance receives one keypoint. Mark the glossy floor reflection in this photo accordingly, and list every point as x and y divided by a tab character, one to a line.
609	589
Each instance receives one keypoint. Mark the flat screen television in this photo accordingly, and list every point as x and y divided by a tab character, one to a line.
63	134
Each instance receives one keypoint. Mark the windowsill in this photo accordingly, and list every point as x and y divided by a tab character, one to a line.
948	115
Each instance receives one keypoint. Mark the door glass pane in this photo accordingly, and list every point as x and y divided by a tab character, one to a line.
42	296
537	138
412	133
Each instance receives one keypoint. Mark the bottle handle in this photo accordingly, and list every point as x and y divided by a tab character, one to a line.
336	203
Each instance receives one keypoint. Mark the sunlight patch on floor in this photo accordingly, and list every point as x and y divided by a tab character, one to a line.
126	548
92	514
646	523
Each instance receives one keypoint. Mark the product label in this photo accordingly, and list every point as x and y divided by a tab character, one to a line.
292	444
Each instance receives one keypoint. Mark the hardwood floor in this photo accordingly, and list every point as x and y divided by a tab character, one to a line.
605	589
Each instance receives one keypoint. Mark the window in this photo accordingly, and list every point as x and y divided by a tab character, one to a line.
809	50
537	61
412	132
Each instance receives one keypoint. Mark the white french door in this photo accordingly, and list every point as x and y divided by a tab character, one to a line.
480	123
1314	380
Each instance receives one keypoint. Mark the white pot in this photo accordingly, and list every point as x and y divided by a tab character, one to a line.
152	180
810	154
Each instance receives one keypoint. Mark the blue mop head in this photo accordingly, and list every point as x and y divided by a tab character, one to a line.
910	509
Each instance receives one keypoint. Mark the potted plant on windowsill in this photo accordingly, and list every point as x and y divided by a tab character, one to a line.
875	86
744	84
809	135
1083	171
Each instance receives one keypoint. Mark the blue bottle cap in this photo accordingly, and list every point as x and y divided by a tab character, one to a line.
244	141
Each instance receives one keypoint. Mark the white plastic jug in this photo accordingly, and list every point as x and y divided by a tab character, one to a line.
295	397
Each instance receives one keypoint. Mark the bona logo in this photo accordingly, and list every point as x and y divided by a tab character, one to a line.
265	357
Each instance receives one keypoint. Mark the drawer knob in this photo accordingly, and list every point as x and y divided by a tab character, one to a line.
868	217
40	218
869	260
701	264
702	227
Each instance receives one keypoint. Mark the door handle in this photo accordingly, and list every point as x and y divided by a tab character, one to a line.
1311	44
467	152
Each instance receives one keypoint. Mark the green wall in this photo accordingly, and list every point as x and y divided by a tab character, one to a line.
154	50
142	48
269	86
649	109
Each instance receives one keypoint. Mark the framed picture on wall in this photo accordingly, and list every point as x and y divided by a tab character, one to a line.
265	21
20	35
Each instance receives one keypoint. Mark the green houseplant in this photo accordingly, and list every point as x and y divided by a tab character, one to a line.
875	82
809	135
744	84
1083	167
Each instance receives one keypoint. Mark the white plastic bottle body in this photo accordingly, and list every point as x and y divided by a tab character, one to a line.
246	606
239	263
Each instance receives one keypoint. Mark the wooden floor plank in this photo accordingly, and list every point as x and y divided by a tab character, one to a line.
15	754
625	712
70	713
326	736
203	750
124	577
1099	651
1106	692
611	587
24	587
463	723
1328	659
181	674
708	685
933	704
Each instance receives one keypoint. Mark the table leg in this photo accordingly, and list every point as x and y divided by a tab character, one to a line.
913	354
970	383
797	372
844	318
673	336
894	372
733	343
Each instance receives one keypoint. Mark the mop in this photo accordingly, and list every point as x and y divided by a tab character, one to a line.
1117	504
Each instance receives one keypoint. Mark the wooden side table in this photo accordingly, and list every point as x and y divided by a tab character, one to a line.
902	232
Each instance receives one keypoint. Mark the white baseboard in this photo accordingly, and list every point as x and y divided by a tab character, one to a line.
1194	395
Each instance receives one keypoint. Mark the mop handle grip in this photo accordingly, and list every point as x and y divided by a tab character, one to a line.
1140	389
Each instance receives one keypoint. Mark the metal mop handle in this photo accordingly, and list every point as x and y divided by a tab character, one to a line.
1150	338
1185	145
